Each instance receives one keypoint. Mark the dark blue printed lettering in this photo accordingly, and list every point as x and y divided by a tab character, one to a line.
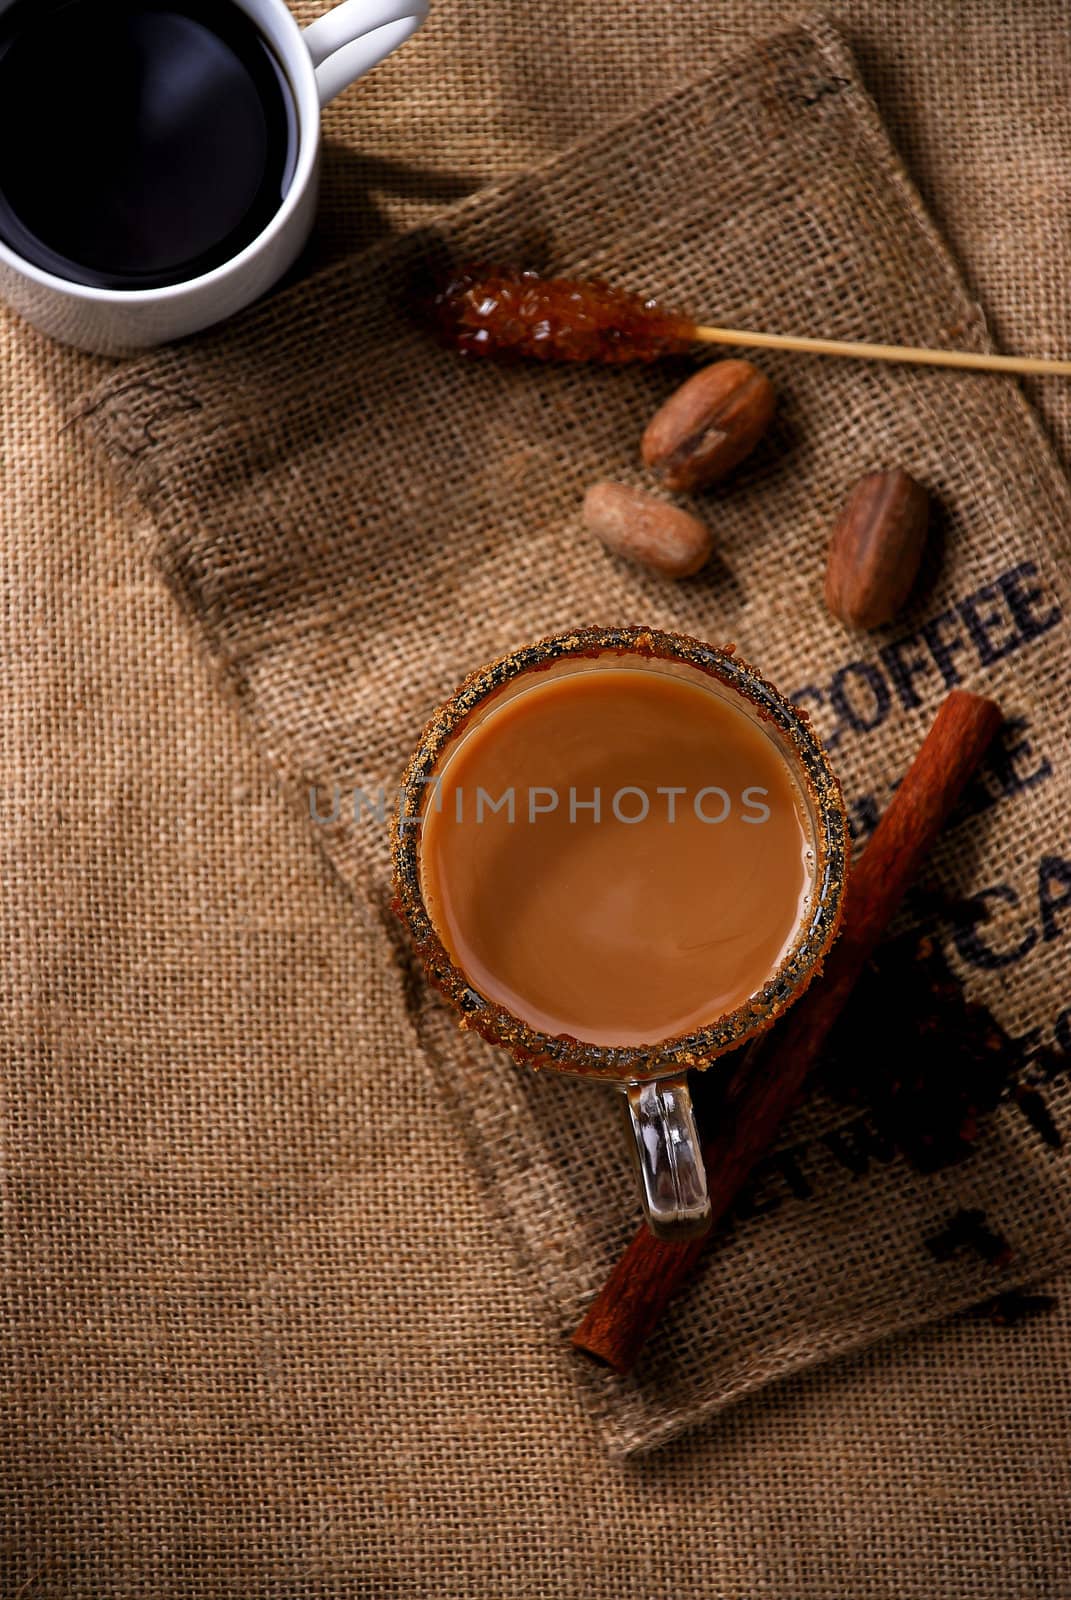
989	624
969	1230
984	627
1054	894
857	1145
1063	1031
999	626
973	948
1032	1104
903	668
945	649
751	1202
863	816
788	1164
1007	754
1022	602
1001	775
863	718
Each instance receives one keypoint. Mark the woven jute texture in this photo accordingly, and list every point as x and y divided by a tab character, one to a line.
242	1353
354	516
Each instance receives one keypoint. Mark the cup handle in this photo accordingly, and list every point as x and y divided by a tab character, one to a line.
352	38
673	1179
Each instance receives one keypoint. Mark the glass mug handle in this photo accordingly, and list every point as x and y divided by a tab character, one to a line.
673	1179
351	39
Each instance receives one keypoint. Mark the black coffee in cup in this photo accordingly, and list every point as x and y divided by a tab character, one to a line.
141	144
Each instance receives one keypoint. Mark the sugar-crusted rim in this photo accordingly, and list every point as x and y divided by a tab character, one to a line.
622	1063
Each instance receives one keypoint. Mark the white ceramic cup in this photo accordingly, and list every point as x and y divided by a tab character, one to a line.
319	63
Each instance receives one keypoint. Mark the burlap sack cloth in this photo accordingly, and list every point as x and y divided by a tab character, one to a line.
354	517
219	1376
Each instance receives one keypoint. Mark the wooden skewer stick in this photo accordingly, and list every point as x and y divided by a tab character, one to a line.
966	360
497	311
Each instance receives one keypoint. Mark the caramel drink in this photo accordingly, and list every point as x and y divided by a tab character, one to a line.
620	854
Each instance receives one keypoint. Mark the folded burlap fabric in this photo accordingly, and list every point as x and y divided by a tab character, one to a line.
354	517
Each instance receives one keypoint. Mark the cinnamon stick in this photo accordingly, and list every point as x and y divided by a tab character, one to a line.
764	1089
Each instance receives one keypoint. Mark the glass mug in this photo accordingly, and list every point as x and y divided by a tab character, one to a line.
623	945
151	114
